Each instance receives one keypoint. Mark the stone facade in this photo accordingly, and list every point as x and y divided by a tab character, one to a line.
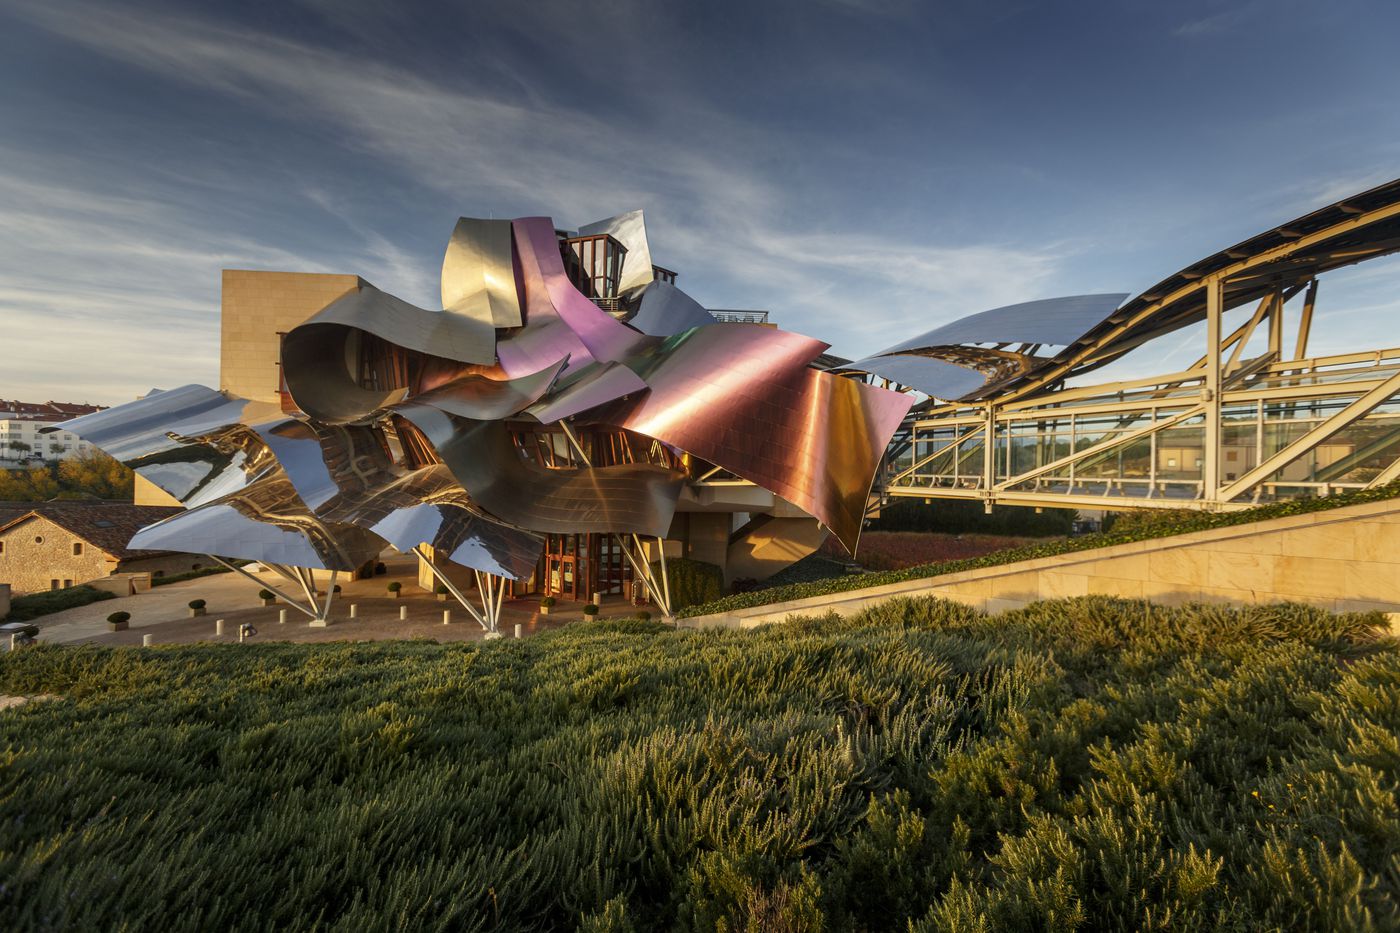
1346	559
39	551
257	307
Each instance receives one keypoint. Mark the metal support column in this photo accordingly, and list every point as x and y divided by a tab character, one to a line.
1210	393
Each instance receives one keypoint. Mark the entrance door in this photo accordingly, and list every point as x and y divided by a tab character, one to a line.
562	567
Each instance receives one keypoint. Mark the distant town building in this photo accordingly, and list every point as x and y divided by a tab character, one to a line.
20	440
55	545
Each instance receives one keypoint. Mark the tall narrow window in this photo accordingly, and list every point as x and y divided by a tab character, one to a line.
77	548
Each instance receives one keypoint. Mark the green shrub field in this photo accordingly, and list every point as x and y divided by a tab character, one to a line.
1083	764
1142	526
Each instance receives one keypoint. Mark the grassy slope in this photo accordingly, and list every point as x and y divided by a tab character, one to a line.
1164	524
1090	763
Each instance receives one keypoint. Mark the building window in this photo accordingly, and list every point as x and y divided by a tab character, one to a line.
2	547
67	583
77	548
53	584
38	539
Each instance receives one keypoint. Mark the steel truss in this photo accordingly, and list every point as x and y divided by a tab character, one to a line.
1224	434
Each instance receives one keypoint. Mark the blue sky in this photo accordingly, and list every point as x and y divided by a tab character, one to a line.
865	169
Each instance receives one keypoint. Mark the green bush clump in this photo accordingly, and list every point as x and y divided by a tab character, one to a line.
548	602
590	609
117	618
1166	525
197	604
395	586
266	594
1081	764
691	581
34	605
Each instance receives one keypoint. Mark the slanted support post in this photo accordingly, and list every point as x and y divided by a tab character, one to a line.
1305	322
452	587
1210	392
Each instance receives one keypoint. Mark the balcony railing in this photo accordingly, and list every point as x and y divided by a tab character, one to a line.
740	317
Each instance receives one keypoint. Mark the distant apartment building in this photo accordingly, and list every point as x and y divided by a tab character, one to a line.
20	424
55	545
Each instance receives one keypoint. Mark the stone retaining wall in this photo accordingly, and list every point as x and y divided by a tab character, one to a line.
1345	559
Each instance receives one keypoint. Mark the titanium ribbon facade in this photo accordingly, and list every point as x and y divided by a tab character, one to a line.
567	388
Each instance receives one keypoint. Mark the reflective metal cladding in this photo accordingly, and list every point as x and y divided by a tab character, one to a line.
524	407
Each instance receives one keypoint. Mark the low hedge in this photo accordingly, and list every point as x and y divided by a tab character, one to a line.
34	605
1164	524
191	574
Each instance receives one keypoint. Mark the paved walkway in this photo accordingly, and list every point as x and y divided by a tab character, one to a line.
163	613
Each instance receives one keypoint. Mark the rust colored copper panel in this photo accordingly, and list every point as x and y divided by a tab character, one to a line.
630	499
478	273
742	397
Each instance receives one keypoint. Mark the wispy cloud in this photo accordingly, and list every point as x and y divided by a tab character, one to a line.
692	167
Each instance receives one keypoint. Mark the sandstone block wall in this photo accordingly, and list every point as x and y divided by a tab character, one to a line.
1346	559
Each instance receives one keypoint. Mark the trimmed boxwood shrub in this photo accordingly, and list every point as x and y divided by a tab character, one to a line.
395	586
117	618
591	609
266	594
1170	524
197	604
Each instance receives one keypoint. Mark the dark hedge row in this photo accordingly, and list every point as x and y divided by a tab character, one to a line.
1085	764
33	605
1160	525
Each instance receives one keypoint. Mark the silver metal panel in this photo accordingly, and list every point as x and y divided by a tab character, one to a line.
937	378
596	385
625	499
630	230
478	273
666	310
267	521
1056	321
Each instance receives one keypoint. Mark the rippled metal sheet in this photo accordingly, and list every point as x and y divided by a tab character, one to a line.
742	397
319	356
630	230
478	273
595	385
267	521
542	267
631	498
937	378
666	310
1055	321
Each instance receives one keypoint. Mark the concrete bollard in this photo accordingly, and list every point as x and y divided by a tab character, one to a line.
282	616
218	627
519	629
354	611
447	617
147	640
403	612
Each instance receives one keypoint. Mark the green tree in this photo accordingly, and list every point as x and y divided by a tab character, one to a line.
96	474
36	484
